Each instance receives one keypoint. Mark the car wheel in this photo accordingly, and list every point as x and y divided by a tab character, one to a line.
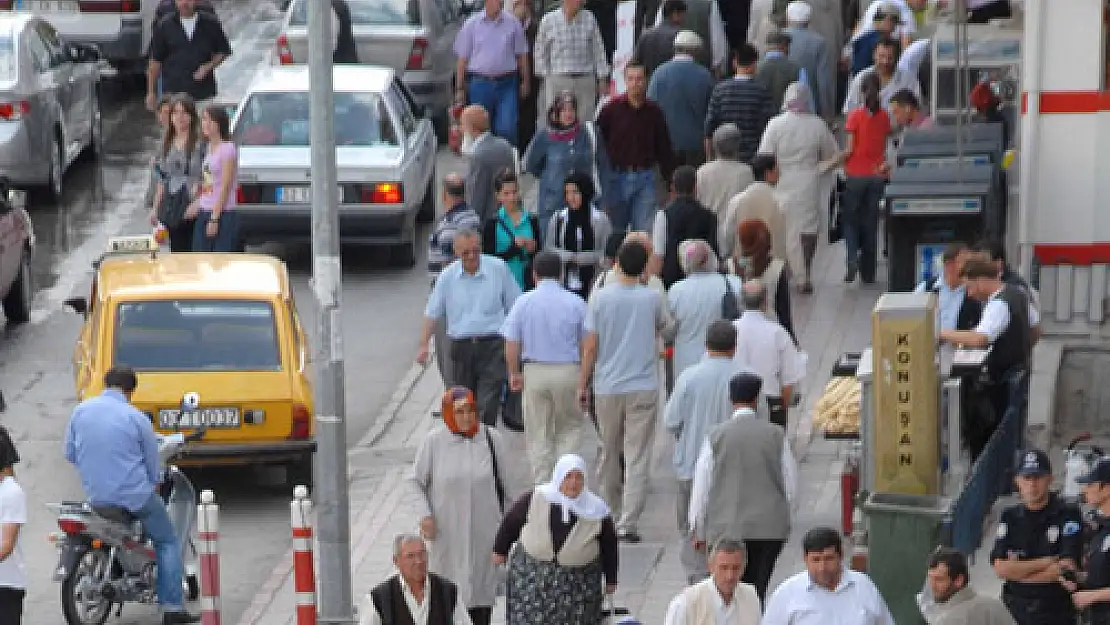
299	473
17	305
192	588
404	255
427	213
441	124
52	191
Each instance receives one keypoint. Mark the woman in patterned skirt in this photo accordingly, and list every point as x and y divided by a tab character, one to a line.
566	543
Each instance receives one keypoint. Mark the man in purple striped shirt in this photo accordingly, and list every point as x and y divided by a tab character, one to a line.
493	68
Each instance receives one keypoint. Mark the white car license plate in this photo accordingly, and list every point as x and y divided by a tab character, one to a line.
294	195
170	419
50	6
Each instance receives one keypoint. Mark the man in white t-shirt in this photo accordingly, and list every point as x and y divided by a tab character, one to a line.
13	516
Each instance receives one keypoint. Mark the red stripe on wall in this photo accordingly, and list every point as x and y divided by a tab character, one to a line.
1073	254
1056	102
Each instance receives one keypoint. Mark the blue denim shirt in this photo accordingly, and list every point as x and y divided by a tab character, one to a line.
115	450
552	160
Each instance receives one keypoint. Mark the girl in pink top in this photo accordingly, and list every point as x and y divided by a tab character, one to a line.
217	224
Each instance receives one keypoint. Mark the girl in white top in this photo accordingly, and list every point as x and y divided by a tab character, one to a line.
13	516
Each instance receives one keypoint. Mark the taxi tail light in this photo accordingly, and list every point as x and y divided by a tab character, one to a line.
284	52
381	193
72	526
14	111
302	422
418	55
110	6
248	194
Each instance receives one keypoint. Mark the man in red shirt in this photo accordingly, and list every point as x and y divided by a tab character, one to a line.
636	140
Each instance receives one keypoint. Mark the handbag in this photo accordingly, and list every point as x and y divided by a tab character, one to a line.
730	308
836	226
172	210
498	485
512	409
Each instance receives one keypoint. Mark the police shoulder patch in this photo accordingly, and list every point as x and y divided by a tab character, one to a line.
1106	544
1071	528
1001	531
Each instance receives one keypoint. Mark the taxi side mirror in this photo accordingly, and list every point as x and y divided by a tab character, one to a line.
79	305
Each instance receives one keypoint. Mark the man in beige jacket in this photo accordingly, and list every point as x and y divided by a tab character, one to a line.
957	603
757	201
721	598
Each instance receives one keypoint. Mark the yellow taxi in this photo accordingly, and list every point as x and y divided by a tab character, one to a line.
222	326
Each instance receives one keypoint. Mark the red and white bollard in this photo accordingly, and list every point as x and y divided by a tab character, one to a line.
304	572
208	534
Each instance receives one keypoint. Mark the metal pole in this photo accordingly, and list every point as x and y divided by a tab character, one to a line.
336	604
963	83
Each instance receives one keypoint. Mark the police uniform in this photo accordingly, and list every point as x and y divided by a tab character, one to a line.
1053	531
1097	564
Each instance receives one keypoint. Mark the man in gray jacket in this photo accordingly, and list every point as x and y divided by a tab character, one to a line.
488	154
813	54
744	483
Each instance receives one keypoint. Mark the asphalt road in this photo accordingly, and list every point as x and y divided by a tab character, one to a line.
381	312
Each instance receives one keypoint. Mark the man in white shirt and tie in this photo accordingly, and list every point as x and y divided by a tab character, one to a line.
826	593
722	599
763	346
744	484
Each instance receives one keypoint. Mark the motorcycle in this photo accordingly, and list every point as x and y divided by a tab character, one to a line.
105	557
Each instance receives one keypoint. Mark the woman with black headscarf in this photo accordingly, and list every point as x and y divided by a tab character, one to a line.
578	233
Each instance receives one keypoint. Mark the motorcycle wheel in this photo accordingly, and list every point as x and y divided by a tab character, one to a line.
192	588
81	603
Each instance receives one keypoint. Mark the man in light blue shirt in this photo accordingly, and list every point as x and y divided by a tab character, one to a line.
699	402
474	294
955	311
543	342
115	450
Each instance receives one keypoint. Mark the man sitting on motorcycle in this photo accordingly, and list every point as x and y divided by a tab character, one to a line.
115	449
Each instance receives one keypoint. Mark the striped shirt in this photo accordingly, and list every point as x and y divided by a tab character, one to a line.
743	102
570	47
441	244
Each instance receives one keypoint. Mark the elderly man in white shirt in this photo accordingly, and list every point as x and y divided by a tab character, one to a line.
827	592
722	599
744	484
425	596
763	346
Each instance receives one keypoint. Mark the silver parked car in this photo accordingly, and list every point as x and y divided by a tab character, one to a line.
385	153
414	37
49	102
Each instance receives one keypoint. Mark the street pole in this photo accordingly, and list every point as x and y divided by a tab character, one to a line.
335	605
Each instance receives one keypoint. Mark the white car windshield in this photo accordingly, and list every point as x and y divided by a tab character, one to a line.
281	119
197	335
369	13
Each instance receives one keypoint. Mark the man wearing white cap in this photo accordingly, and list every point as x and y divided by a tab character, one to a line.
681	87
813	54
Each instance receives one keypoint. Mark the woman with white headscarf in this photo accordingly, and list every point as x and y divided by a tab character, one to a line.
566	543
696	301
805	149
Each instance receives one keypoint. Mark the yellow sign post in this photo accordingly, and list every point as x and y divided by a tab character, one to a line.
906	444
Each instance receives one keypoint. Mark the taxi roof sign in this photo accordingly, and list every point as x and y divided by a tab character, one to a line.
141	244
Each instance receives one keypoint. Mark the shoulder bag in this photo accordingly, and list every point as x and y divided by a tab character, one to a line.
498	485
174	204
730	308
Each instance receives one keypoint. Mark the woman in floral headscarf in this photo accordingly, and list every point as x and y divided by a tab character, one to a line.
566	144
804	148
695	300
565	544
457	478
754	260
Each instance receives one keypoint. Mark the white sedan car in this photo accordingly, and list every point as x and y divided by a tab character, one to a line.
385	154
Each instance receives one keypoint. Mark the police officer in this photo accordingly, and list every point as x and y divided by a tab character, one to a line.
1006	326
1037	542
1092	590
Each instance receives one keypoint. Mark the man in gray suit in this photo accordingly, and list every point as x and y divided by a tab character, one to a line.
656	45
488	155
814	55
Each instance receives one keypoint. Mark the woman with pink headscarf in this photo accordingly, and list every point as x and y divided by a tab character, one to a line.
804	148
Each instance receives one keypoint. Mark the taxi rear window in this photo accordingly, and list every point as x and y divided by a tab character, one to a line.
281	119
197	335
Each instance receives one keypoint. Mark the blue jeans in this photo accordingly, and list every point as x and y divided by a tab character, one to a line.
634	201
499	97
227	236
859	214
167	552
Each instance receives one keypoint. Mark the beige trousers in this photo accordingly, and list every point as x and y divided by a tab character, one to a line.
553	420
626	422
583	87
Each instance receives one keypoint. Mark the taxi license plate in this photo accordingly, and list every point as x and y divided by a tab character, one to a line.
209	417
294	195
51	6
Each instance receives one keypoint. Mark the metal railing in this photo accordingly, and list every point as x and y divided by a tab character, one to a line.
991	474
